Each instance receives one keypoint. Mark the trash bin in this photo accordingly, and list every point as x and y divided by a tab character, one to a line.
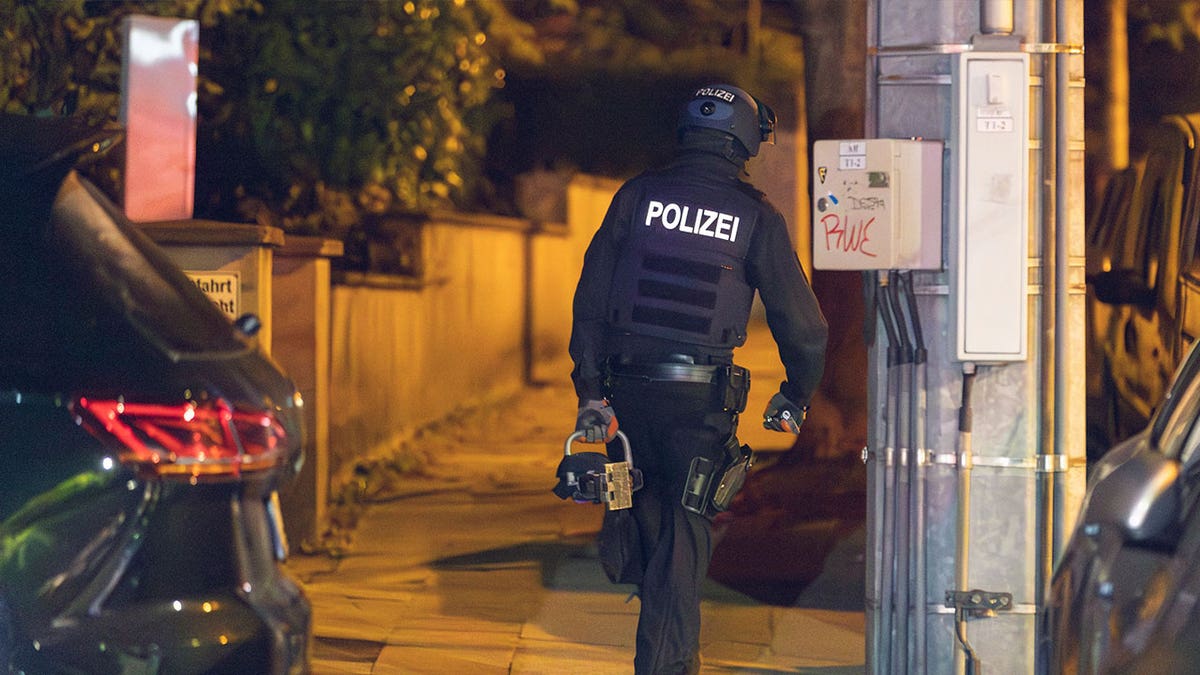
230	262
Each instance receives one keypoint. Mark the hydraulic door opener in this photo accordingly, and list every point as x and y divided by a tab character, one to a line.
592	477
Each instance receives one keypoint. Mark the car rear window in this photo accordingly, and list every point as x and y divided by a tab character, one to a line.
86	297
165	305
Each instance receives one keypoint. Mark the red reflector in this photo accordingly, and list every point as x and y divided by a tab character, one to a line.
187	440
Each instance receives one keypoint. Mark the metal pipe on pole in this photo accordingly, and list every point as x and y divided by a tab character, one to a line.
917	464
872	457
1054	300
965	660
1056	510
902	499
887	592
878	647
996	17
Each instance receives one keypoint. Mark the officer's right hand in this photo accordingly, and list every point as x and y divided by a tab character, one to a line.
783	415
597	420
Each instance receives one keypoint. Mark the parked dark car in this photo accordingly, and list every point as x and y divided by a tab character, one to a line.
1143	280
142	440
1125	595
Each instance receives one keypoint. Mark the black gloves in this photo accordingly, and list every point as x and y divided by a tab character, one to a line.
597	420
783	415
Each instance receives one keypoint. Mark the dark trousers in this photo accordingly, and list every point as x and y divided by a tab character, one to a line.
668	424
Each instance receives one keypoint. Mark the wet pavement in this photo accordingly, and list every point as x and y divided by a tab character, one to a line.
470	565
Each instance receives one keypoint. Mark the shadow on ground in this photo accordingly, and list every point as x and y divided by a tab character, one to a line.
795	535
793	538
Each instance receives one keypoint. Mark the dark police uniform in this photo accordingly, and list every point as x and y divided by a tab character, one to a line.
663	300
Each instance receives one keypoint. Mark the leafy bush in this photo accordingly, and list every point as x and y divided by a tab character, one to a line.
316	112
319	117
63	57
310	113
596	86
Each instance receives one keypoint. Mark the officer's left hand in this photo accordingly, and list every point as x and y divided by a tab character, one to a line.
597	420
783	415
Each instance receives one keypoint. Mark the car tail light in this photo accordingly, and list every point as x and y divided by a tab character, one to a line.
192	440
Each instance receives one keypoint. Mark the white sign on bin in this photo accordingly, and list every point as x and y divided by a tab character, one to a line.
877	204
223	288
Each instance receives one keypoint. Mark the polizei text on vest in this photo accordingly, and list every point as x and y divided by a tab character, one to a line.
693	220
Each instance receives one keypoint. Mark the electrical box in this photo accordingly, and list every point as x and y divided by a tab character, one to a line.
877	204
990	205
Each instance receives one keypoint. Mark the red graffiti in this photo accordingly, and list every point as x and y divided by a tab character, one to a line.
839	236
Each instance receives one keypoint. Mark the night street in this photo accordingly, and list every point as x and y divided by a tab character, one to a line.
473	566
892	304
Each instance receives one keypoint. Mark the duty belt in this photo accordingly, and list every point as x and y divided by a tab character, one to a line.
732	382
669	372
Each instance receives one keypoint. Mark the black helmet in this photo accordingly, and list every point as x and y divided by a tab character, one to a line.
733	111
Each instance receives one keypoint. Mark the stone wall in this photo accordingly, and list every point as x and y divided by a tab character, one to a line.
489	313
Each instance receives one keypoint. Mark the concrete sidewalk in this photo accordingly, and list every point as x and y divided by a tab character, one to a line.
475	567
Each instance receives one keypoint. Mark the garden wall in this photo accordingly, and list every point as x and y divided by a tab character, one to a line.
487	312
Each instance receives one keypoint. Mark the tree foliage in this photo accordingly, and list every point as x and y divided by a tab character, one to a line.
1164	48
314	115
63	57
317	111
310	113
595	85
1173	22
694	38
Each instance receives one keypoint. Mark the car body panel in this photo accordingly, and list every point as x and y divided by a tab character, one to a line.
1141	250
1125	587
108	566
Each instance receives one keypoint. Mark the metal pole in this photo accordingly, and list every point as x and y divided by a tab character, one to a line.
902	499
996	17
1116	121
871	99
1063	231
873	457
1056	484
917	464
1052	347
965	660
888	564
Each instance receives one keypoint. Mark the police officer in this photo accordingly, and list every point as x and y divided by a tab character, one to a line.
663	299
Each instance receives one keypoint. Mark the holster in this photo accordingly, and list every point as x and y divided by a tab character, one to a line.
733	478
711	486
735	381
711	482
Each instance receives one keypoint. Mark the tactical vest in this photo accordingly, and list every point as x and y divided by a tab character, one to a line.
682	270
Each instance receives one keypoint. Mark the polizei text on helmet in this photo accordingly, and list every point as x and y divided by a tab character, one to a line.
693	220
716	93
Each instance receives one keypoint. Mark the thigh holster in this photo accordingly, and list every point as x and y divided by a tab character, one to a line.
711	486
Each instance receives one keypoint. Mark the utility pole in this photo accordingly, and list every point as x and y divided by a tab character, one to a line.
1116	116
753	28
976	439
